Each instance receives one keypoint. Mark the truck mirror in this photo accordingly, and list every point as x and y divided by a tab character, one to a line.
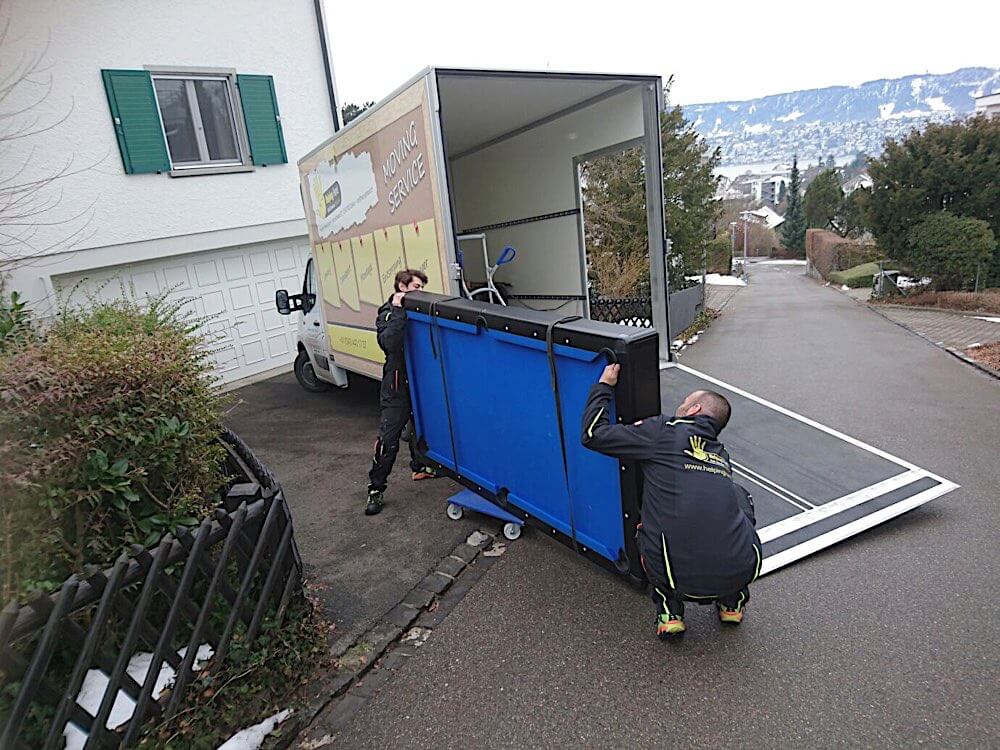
281	302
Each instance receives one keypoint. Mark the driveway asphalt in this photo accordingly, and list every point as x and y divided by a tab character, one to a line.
887	639
319	446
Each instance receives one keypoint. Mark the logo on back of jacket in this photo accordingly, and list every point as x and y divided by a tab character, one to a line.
716	463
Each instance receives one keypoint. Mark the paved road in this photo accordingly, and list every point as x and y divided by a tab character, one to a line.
319	445
889	639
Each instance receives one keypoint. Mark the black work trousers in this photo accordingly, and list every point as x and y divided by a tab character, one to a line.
670	601
394	416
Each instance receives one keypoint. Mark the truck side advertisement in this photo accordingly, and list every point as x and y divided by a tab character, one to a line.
371	202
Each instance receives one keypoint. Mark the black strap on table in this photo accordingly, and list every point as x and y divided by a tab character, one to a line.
444	377
550	349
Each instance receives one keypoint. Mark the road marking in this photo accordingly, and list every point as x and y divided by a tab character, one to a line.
759	479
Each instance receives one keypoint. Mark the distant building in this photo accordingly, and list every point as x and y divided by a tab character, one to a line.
988	104
860	181
764	215
768	188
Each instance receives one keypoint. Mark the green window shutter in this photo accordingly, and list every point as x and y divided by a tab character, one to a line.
136	120
260	113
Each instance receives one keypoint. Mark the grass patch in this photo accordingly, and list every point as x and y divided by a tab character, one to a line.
703	321
857	276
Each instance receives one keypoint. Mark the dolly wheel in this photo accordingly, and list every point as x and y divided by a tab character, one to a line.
512	531
455	512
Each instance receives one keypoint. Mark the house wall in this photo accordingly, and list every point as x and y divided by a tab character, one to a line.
124	218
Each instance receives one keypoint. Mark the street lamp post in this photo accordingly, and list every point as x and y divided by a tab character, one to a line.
732	243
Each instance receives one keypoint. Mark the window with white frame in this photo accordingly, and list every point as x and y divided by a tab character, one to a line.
200	122
195	121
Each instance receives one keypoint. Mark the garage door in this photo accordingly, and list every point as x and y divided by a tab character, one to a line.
233	288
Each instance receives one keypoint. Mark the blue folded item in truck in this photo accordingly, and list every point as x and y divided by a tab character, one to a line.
498	396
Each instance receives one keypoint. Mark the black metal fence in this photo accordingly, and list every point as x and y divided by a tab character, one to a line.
631	311
203	589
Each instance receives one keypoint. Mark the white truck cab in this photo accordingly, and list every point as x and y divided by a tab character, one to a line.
314	368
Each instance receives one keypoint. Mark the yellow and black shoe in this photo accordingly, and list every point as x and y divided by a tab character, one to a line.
669	626
424	473
729	616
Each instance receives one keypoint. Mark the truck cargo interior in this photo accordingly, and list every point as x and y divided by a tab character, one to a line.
512	144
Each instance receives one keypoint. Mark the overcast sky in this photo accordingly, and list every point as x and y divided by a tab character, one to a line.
716	51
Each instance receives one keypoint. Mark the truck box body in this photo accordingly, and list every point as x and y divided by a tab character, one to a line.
455	152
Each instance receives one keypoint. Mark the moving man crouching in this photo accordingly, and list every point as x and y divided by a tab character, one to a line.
697	537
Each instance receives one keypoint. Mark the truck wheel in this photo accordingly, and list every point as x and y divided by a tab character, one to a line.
306	376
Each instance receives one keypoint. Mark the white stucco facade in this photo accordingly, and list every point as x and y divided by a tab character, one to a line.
125	220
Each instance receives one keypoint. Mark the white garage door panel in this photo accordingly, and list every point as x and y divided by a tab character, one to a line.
233	288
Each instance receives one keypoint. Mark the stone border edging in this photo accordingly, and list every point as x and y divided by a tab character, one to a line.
367	664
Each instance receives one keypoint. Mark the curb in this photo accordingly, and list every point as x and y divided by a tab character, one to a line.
949	311
367	664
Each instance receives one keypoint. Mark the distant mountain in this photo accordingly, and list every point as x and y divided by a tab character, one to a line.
839	120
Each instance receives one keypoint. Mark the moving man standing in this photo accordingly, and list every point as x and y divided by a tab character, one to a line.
394	395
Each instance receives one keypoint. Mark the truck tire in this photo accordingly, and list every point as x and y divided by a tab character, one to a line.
306	376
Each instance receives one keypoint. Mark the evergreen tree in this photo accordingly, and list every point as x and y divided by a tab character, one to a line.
615	209
793	230
952	167
823	202
349	111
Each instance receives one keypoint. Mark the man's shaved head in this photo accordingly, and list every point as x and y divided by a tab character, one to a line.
711	403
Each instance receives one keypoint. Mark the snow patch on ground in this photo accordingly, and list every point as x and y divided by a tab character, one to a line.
757	129
789	262
790	116
987	318
717	279
253	737
885	110
96	682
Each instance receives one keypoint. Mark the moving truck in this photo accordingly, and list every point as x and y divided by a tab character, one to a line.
455	157
452	162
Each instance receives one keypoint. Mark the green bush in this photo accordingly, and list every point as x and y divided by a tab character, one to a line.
858	276
15	320
950	249
107	438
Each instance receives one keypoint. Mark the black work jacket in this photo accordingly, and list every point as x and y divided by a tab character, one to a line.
689	500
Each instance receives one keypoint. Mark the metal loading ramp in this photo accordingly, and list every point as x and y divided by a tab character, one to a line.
812	485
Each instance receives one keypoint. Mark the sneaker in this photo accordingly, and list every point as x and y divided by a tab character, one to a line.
668	626
729	616
375	503
425	473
